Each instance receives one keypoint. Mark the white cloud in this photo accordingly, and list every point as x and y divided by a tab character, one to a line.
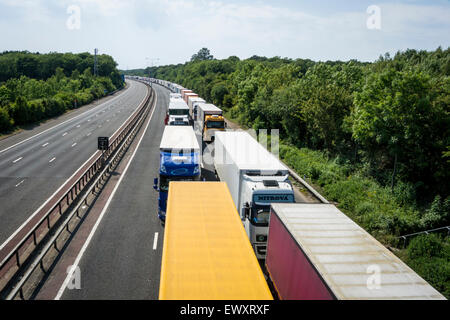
173	30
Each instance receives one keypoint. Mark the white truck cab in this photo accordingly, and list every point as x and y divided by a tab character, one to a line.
255	178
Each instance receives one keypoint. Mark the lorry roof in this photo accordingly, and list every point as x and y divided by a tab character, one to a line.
196	99
179	137
206	251
346	256
177	104
208	107
245	152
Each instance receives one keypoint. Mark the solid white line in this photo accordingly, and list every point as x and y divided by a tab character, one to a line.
53	159
20	183
38	134
97	223
46	201
45	144
64	134
18	159
155	241
88	134
74	144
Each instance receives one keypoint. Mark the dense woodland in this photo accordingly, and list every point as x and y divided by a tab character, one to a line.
35	87
373	137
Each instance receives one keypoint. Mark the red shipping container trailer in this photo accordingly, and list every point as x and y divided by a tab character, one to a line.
315	252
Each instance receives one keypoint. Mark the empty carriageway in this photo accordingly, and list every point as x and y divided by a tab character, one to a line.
33	167
120	257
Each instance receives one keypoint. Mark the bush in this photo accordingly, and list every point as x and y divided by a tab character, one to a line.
6	123
429	256
438	215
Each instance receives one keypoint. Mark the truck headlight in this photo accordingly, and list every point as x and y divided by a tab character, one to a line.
197	169
163	169
261	238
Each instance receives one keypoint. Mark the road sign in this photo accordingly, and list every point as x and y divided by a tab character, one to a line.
103	143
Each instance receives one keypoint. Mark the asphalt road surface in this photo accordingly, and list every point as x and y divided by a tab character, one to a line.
123	259
31	171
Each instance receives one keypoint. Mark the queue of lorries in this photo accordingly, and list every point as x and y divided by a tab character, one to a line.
218	234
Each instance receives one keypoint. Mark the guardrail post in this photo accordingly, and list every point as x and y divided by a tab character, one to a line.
17	258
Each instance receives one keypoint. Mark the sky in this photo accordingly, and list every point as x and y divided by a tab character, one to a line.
141	33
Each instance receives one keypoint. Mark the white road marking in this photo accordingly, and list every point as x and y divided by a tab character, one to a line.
20	183
53	159
88	240
59	189
74	144
80	115
64	134
155	241
89	120
88	134
18	159
45	144
78	126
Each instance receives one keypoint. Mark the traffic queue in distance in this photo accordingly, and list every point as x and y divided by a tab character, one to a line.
308	251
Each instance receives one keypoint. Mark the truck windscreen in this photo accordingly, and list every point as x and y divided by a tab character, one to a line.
215	125
179	112
165	180
260	215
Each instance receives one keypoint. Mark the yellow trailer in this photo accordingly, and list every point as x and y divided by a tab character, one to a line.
206	251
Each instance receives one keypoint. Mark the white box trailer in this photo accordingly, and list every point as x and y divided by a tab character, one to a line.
209	121
189	95
316	252
192	101
255	177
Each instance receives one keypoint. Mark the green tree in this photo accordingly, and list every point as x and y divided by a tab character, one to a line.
202	54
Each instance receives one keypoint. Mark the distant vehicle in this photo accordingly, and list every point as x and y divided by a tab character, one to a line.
191	102
178	113
209	121
180	160
189	95
256	178
206	253
175	96
184	91
315	252
194	109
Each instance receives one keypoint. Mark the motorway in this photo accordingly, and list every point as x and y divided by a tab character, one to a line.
121	258
33	169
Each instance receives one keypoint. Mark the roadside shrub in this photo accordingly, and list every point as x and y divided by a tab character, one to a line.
6	123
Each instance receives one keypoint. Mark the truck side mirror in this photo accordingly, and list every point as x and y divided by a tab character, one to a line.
155	184
246	211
